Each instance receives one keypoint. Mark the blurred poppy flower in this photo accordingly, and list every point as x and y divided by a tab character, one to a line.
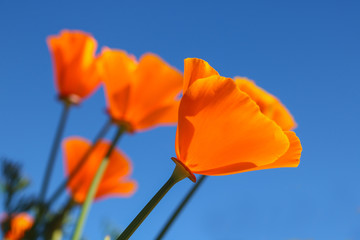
221	130
115	180
269	104
20	223
75	65
140	94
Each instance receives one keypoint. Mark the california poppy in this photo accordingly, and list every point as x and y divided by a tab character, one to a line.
221	130
20	223
140	94
75	65
269	104
115	181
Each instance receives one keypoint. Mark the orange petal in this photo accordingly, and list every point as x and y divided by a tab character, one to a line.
157	81
283	118
194	69
19	224
141	94
155	91
118	75
118	168
290	159
74	150
177	148
166	115
220	126
269	104
114	181
117	69
75	66
120	189
119	165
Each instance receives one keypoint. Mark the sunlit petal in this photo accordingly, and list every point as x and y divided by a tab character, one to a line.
221	126
194	69
20	223
115	175
269	104
75	65
140	94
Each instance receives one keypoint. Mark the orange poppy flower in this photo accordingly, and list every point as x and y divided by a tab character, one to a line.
140	94
20	223
269	104
75	65
221	130
115	180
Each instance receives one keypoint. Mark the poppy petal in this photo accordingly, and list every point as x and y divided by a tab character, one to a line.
119	164
74	150
269	104
221	126
292	156
20	223
120	189
140	95
117	69
290	159
75	65
166	115
194	69
117	74
156	87
118	167
157	81
177	148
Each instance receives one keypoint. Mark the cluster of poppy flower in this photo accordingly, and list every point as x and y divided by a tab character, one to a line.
225	126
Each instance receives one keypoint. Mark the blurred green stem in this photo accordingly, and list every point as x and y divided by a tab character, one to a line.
53	227
42	207
54	149
94	185
62	186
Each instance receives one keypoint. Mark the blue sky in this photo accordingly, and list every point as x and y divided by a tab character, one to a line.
307	53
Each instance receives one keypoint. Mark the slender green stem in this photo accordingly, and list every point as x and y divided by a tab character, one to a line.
180	207
53	226
178	174
63	185
94	185
42	207
54	149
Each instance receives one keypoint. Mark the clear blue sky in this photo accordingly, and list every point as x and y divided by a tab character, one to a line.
307	53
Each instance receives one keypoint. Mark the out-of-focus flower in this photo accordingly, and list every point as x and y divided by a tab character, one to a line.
140	94
115	181
269	104
19	224
75	65
221	130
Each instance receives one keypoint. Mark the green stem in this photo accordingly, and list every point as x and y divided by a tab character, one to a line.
54	149
42	207
179	174
180	207
53	226
63	185
94	185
